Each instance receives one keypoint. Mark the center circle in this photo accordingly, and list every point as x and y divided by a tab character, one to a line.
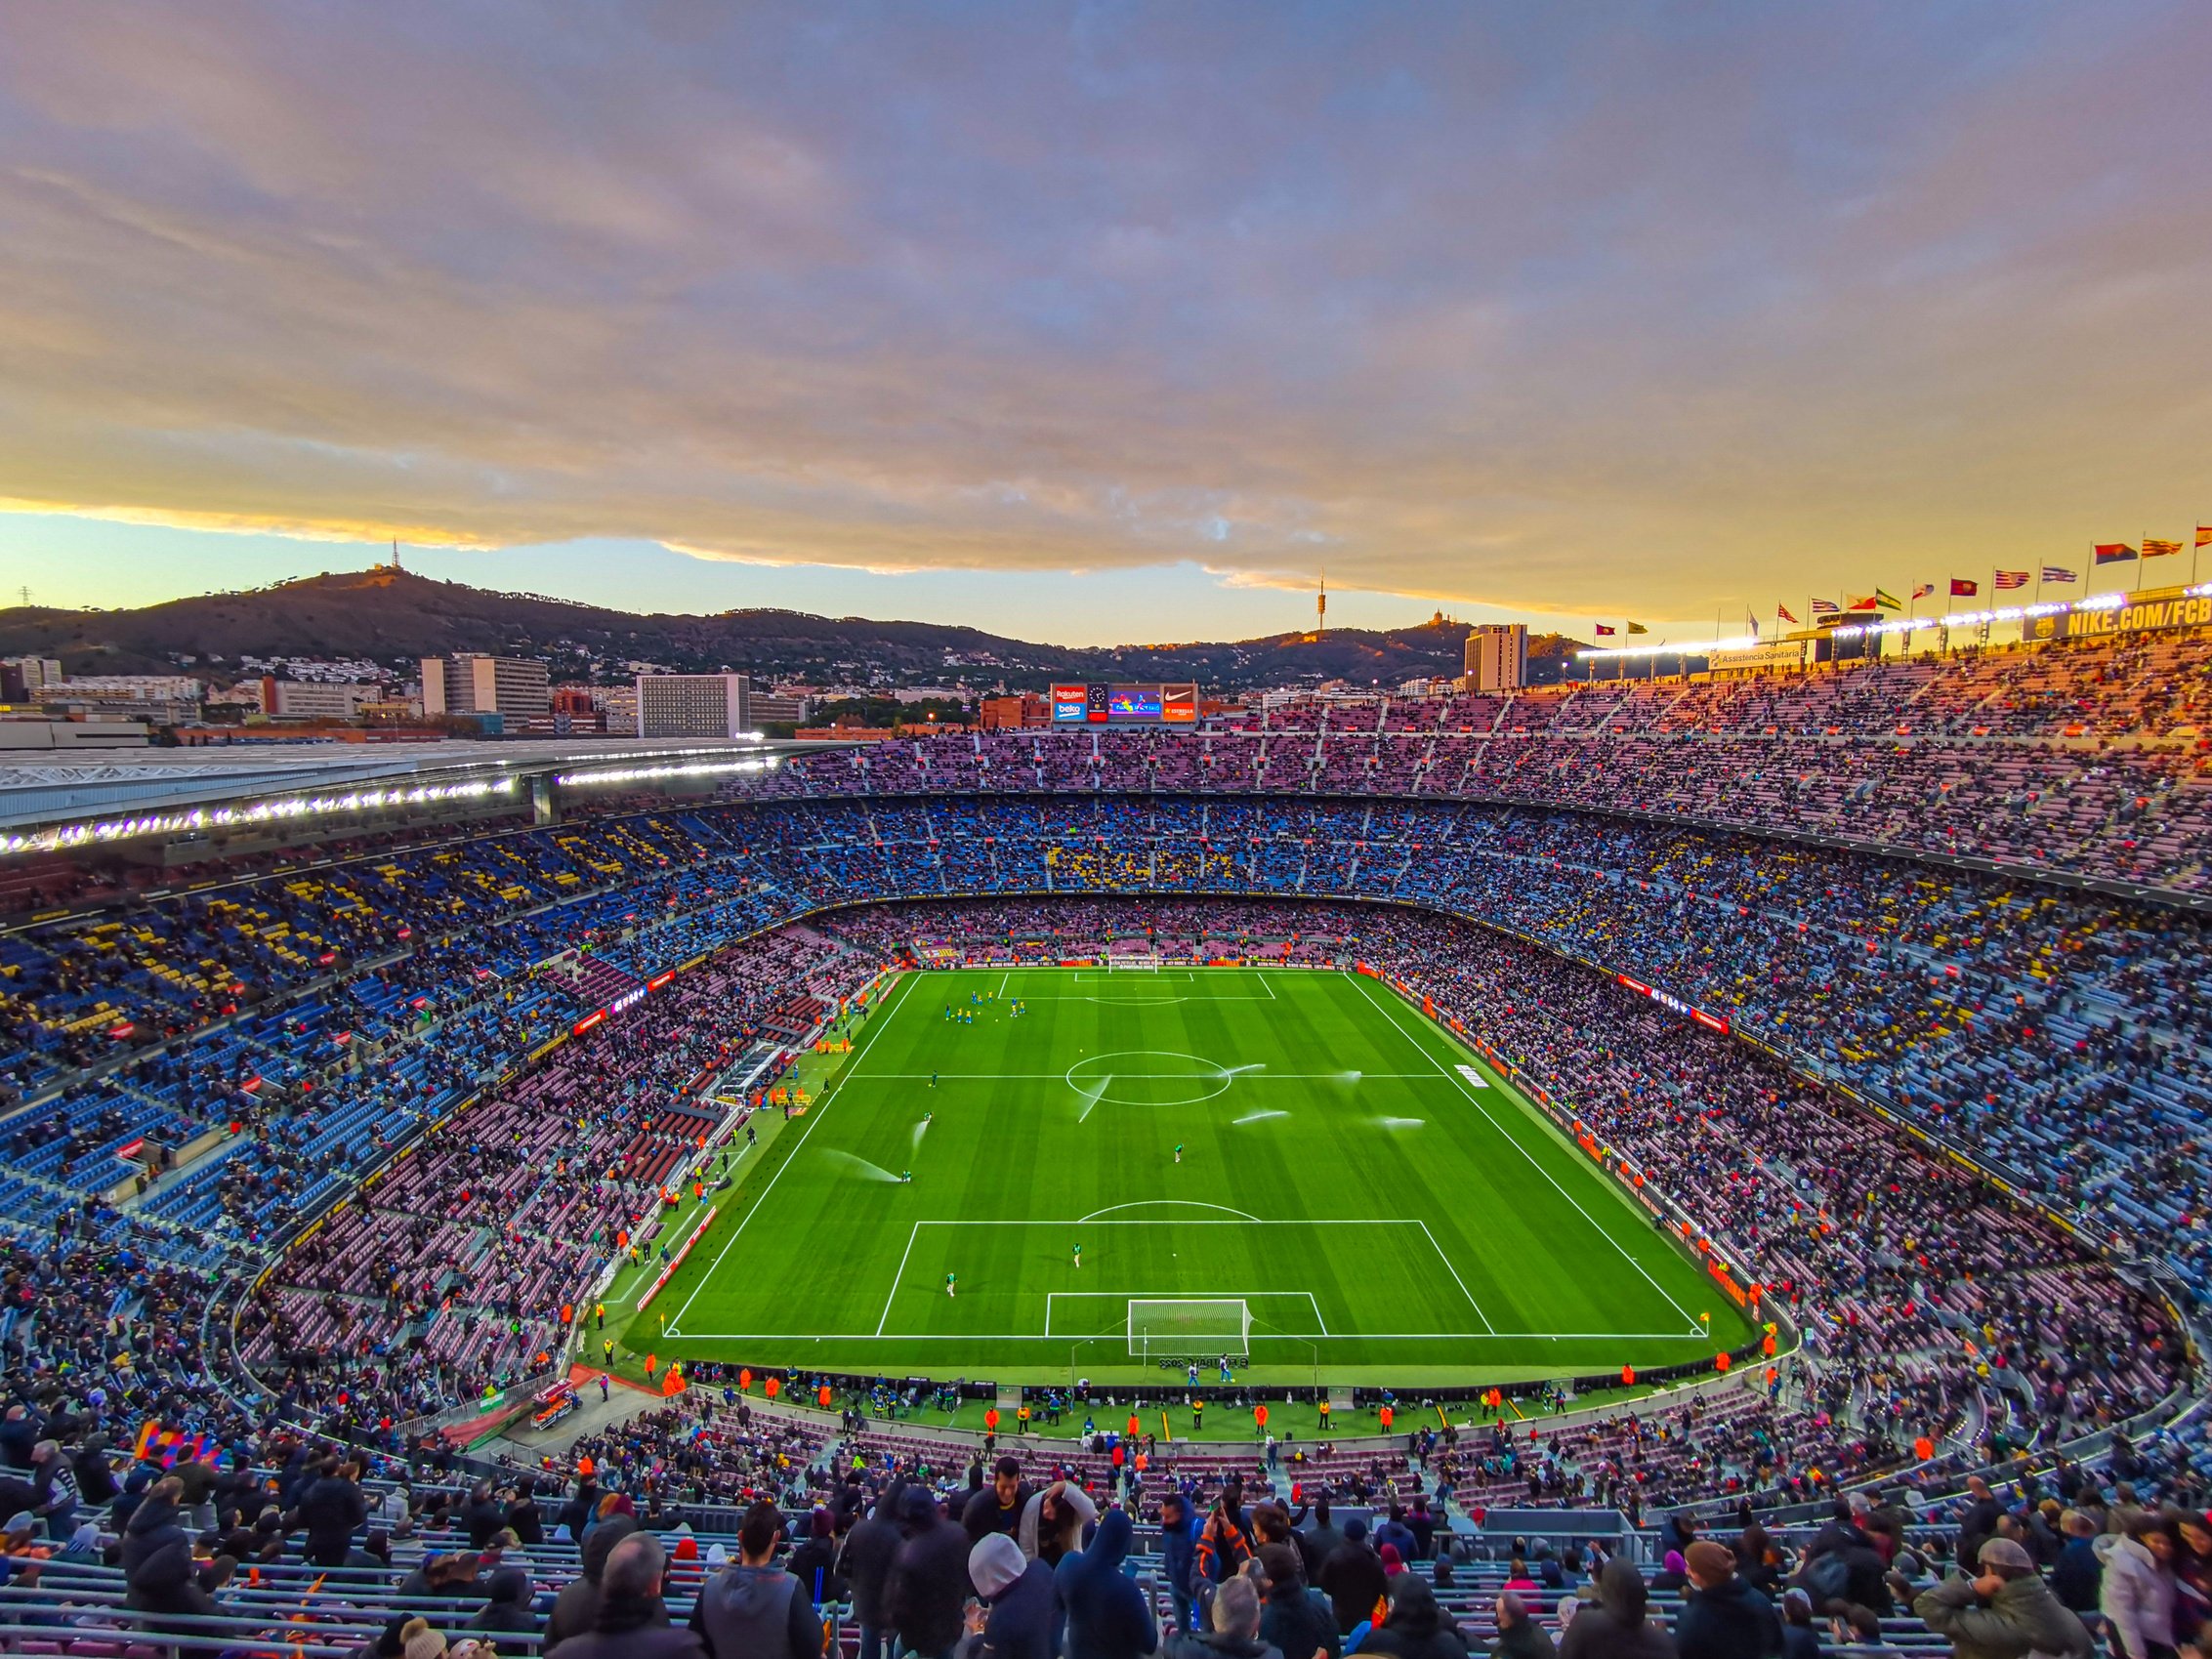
1148	1077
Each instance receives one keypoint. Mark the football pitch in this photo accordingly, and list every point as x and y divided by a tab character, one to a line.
1326	1172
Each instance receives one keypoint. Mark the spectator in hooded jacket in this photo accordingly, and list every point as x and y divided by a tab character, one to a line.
1415	1627
866	1563
1616	1628
1519	1635
1108	1615
1353	1579
926	1593
1016	1618
1723	1617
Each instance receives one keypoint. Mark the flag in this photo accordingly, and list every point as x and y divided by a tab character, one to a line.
1865	602
2114	553
1781	614
2153	547
2013	579
1964	589
1924	590
2059	573
1888	600
1751	621
2205	535
1638	628
1826	607
1603	631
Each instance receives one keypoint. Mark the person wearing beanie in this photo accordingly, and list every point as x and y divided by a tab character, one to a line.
417	1641
508	1611
1014	1620
814	1564
1723	1617
755	1609
2005	1612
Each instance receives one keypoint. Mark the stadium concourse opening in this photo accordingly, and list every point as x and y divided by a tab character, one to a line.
1035	1174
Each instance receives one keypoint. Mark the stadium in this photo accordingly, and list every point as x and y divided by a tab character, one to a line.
1586	1110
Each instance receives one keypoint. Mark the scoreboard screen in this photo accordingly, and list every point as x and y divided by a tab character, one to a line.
1096	703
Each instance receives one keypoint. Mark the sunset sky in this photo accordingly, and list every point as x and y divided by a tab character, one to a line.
1102	322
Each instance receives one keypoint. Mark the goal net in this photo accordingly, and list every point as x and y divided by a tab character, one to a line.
1149	962
1197	1328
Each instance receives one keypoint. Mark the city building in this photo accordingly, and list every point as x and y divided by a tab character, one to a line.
316	699
1498	657
779	708
471	683
694	705
1023	709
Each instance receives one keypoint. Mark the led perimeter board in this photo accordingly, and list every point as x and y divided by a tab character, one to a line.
1098	703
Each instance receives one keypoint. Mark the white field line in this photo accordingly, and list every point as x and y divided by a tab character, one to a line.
1455	1278
813	1117
1460	1084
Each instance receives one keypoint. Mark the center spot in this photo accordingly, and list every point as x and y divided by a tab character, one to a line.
1148	1077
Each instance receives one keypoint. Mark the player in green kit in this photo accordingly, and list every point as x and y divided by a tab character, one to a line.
1078	1256
1178	1151
949	1281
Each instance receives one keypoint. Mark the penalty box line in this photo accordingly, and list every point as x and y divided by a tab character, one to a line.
1052	1296
913	1233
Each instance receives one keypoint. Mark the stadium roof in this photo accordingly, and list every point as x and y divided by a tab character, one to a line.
60	788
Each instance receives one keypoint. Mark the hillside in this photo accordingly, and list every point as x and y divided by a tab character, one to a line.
394	617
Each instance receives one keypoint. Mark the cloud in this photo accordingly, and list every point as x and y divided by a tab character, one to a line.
1660	310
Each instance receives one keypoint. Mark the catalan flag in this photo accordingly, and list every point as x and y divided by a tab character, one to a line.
2014	579
1865	602
2114	553
2205	535
2153	547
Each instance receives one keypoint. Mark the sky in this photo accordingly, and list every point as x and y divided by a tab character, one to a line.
1103	322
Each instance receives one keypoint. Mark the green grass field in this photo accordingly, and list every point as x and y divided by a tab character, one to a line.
1384	1203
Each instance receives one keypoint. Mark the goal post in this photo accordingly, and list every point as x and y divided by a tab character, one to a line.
1143	963
1194	1328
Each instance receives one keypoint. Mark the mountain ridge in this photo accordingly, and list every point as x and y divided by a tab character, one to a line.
392	617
